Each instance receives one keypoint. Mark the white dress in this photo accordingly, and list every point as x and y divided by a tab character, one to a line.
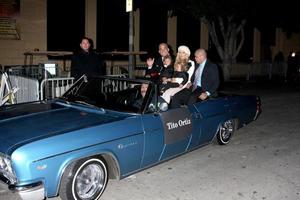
172	91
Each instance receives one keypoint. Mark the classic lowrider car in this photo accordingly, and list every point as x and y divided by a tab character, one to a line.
71	146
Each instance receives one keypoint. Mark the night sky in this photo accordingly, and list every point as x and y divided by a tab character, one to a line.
65	30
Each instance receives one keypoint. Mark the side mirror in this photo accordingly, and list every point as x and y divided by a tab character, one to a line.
163	106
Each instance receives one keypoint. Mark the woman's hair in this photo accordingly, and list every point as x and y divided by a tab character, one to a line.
178	59
180	66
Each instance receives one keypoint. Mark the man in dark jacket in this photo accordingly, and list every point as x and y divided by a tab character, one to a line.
86	61
163	50
205	79
205	82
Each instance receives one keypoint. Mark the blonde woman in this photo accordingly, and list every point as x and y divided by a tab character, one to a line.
181	97
183	55
175	84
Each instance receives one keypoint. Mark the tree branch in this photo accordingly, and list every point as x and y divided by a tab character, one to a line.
240	44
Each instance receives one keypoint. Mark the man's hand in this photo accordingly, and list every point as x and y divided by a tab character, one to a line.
189	85
203	96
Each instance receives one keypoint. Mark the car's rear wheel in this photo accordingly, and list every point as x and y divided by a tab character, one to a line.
225	132
84	180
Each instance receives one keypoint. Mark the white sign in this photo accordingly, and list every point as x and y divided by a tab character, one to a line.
128	5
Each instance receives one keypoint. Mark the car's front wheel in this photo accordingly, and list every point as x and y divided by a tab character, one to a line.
225	131
84	180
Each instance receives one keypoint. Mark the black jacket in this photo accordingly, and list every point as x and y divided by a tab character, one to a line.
210	77
88	63
167	71
183	75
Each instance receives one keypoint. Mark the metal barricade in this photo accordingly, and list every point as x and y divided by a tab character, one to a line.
28	88
267	70
139	70
54	87
38	72
113	85
7	91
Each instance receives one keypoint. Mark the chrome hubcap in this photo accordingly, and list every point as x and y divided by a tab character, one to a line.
226	130
90	181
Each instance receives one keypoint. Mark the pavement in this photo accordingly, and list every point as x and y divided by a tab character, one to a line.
260	163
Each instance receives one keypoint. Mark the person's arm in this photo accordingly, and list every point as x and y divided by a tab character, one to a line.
185	77
190	72
212	80
75	67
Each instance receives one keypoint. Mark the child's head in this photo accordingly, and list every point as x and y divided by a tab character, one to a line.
167	60
150	60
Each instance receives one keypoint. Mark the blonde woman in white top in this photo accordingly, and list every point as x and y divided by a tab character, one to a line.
183	56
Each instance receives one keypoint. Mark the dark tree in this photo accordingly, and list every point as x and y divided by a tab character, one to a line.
226	21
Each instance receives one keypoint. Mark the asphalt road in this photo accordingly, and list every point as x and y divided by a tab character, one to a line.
260	163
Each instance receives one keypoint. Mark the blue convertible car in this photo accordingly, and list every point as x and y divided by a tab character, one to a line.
101	129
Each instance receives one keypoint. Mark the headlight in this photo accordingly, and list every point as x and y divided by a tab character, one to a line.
6	169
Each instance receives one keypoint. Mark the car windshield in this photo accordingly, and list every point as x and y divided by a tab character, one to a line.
118	94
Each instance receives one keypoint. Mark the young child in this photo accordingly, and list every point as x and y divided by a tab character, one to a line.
173	85
167	70
152	71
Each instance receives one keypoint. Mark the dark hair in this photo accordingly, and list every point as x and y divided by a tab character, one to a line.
150	56
167	57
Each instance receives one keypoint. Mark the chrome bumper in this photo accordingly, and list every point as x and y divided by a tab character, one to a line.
33	191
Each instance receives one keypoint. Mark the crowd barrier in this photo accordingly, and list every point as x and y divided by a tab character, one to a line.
7	91
267	69
54	87
18	89
28	88
139	70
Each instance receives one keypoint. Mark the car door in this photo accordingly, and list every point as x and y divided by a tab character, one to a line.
209	114
167	134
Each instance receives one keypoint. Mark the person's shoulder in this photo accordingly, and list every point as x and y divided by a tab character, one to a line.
212	66
209	62
191	63
78	53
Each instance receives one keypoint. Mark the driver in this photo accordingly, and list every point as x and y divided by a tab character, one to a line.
138	102
140	98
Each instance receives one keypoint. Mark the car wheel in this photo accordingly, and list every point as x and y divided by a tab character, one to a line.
225	132
84	180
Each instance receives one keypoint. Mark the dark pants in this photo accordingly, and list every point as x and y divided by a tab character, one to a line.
194	96
181	98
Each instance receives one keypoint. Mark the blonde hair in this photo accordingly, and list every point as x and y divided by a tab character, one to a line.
180	66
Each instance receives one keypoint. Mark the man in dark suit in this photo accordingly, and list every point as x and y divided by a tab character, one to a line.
86	61
205	79
163	50
205	82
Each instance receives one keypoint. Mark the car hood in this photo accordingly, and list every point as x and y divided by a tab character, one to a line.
29	122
